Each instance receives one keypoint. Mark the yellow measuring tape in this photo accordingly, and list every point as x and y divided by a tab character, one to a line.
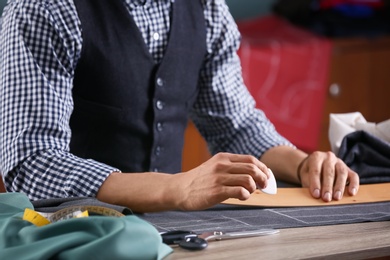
35	218
42	219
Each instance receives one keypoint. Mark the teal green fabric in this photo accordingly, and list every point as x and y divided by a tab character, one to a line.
95	237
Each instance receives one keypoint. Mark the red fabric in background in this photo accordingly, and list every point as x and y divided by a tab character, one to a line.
286	70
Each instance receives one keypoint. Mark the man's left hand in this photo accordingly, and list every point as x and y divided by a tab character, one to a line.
327	176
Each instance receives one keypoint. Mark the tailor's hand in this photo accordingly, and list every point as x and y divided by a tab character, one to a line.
327	176
223	176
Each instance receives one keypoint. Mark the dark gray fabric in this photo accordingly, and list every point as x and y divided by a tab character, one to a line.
52	205
239	218
368	155
235	218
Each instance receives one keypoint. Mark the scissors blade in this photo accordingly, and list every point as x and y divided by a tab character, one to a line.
219	235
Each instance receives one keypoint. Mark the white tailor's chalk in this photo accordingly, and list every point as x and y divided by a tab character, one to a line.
271	184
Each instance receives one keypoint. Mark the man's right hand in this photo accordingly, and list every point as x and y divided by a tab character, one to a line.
223	176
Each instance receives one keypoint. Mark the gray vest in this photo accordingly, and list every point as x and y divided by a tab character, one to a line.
128	111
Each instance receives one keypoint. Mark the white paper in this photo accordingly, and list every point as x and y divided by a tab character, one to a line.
343	124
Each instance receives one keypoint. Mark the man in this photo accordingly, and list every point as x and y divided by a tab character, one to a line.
92	90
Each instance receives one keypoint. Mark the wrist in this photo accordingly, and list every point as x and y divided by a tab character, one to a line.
299	168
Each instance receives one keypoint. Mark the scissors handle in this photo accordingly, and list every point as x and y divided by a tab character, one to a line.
193	243
185	239
176	236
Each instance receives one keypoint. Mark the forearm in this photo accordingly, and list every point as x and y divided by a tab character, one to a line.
284	162
141	192
221	177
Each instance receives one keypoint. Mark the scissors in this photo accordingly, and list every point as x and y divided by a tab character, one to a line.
192	241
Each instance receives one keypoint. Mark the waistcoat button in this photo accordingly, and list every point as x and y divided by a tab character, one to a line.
159	105
160	82
159	127
158	151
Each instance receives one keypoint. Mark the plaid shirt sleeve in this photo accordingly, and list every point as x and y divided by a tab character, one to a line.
40	43
225	112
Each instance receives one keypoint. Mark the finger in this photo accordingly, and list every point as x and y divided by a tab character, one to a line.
242	158
236	193
247	164
241	180
341	180
251	170
354	180
328	176
313	168
219	195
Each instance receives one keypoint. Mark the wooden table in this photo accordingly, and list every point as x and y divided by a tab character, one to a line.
350	241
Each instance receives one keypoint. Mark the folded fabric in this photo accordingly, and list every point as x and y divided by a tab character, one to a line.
95	237
342	124
367	155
